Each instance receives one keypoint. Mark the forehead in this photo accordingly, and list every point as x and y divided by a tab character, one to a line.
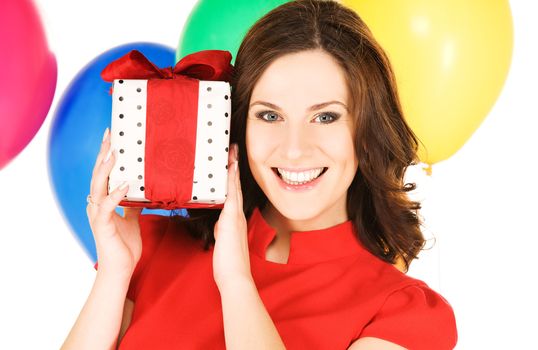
307	77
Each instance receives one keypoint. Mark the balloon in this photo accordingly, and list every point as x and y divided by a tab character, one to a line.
221	25
28	75
451	59
81	117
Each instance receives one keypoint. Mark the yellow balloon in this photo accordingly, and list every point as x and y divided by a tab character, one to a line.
451	59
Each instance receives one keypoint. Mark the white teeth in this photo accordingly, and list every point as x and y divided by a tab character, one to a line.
298	178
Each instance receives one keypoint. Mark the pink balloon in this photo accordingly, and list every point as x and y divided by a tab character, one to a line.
28	74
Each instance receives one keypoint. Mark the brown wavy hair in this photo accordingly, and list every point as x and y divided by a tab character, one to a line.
386	220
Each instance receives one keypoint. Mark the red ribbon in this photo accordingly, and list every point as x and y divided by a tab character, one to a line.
201	65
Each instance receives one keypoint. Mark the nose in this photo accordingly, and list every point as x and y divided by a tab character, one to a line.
296	143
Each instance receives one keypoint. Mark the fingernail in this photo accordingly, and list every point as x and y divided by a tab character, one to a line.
109	153
105	136
235	166
123	185
236	150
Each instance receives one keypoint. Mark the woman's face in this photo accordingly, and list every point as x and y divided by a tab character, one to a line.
298	125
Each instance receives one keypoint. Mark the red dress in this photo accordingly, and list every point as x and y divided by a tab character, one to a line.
331	292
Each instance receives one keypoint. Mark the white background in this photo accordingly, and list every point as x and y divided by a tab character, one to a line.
480	203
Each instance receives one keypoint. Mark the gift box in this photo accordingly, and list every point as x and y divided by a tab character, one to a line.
170	129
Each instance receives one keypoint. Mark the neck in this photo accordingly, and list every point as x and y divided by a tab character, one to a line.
284	225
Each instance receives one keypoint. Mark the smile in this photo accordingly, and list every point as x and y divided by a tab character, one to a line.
299	180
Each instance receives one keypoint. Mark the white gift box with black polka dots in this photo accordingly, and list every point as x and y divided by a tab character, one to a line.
128	135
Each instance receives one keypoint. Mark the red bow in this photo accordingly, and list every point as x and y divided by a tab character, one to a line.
201	65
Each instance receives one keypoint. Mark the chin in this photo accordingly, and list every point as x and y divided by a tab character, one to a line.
296	212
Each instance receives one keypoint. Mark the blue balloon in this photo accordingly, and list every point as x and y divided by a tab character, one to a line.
82	115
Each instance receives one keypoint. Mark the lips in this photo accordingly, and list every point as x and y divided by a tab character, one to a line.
275	170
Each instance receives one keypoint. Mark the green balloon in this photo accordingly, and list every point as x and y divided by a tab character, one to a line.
221	24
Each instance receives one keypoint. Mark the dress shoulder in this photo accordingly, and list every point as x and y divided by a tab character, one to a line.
415	317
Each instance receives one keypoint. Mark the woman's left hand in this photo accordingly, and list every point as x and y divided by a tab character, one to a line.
231	261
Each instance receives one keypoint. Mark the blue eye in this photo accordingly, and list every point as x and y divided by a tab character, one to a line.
324	118
334	117
261	115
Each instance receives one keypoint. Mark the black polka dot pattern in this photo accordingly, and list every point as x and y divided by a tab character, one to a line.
209	181
129	135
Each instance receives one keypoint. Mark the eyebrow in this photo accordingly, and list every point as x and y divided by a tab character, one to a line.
310	109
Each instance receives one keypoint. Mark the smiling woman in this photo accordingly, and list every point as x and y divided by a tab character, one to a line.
323	141
311	247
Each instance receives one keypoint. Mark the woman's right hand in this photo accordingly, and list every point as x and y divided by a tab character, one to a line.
117	239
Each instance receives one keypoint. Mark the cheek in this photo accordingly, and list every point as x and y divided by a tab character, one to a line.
256	137
338	144
259	142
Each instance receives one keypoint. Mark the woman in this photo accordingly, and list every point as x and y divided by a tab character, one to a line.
304	254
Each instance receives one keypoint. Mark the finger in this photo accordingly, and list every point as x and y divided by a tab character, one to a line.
99	185
237	179
88	211
108	205
231	156
231	197
239	192
216	230
105	144
103	153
